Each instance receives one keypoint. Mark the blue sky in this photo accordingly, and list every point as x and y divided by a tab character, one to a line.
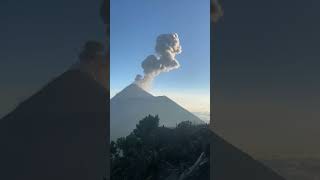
135	26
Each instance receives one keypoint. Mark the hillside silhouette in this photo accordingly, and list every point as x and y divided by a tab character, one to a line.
58	133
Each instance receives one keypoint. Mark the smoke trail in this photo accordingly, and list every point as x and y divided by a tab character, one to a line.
92	61
167	47
216	11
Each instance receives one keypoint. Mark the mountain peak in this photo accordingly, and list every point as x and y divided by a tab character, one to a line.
133	103
132	91
68	116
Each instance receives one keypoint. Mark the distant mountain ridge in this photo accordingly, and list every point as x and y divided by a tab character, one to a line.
133	103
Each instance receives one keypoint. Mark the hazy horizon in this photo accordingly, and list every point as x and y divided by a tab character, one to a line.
200	108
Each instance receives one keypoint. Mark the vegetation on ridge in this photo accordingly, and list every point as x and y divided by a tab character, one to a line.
153	152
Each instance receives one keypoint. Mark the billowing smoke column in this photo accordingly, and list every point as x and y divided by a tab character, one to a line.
216	11
92	61
167	47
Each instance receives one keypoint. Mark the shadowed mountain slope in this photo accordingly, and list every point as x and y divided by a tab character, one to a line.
230	163
58	133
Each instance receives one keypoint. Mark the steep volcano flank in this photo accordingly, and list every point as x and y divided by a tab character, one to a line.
132	104
132	91
230	163
227	162
58	133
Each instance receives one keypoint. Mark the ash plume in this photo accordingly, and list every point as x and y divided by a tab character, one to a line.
216	11
92	61
164	59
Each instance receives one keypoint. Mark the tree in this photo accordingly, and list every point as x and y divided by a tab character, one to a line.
185	124
153	152
146	126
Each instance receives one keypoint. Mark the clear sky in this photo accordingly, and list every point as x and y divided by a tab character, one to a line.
135	26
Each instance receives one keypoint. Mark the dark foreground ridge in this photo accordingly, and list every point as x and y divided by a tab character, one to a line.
58	133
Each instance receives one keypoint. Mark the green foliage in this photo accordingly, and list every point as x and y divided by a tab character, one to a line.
146	126
153	152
